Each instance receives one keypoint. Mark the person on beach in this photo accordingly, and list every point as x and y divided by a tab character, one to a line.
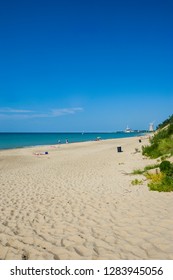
41	153
66	141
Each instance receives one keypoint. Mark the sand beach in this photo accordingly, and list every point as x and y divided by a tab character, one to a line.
77	203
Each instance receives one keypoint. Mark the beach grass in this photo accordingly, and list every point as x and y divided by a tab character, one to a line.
146	168
136	182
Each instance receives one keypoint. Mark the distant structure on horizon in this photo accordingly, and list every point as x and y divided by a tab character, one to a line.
128	130
151	127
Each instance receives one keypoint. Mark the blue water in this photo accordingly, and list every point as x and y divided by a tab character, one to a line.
19	140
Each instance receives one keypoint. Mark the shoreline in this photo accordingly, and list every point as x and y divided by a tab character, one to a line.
95	134
47	146
78	202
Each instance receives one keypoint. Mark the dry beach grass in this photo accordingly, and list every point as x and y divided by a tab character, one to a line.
78	202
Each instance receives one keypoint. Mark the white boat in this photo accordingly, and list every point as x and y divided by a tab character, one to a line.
128	130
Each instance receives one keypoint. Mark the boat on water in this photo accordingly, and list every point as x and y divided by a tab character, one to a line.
128	130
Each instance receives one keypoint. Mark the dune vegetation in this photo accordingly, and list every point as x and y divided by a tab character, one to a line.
161	145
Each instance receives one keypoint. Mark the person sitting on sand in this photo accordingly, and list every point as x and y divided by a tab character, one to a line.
41	153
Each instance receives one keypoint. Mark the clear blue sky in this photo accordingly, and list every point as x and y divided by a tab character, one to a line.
85	65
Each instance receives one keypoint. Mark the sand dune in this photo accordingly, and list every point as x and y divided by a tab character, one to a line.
77	202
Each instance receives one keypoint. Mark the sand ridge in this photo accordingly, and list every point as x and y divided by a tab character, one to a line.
77	202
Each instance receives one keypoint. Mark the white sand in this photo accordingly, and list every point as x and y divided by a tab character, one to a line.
77	202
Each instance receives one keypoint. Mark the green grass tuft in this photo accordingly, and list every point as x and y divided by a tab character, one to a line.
166	185
152	166
136	182
137	172
163	181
